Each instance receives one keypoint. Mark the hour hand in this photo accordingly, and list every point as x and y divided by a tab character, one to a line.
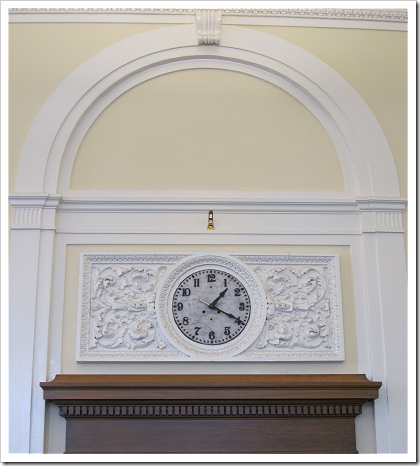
217	299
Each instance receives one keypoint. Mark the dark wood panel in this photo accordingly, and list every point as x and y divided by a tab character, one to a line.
210	435
210	414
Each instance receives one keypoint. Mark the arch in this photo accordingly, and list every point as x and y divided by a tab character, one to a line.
51	146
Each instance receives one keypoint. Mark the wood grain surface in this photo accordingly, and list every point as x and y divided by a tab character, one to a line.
210	413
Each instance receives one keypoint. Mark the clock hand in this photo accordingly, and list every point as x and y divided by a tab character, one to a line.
220	296
214	308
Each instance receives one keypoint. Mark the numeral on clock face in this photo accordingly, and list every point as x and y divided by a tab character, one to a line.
211	307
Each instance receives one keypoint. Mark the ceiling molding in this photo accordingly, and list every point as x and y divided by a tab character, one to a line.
399	15
393	19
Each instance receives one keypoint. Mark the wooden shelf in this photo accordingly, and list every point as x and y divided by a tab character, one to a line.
210	413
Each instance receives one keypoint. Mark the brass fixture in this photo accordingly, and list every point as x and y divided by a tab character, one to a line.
210	225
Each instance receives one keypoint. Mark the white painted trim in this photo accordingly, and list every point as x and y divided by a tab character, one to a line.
24	257
51	145
393	20
41	342
108	203
220	58
239	217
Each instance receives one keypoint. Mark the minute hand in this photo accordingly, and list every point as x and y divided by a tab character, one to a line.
214	308
237	319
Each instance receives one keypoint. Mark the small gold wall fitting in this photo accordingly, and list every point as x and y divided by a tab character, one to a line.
210	225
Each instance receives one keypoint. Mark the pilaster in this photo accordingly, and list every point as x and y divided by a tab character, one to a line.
31	251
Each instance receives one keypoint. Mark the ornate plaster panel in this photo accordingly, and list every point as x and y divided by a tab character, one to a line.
118	321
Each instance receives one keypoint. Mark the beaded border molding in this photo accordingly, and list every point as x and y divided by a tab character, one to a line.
316	13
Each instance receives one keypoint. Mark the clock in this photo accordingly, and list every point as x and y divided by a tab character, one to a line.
211	306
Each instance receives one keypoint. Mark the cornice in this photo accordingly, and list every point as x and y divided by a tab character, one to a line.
316	13
355	206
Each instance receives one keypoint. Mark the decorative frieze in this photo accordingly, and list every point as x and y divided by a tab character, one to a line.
389	15
388	219
118	319
34	211
25	216
384	215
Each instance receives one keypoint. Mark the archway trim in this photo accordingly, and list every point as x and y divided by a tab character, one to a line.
51	146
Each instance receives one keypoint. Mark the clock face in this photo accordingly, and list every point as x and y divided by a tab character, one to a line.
211	307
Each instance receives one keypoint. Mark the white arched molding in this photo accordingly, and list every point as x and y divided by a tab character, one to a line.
51	146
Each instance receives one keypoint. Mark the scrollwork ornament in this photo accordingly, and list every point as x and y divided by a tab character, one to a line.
122	307
297	307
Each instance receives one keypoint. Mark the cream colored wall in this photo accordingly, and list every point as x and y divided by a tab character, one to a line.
43	55
373	62
207	130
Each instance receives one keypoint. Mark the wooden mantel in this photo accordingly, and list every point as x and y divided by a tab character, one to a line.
210	413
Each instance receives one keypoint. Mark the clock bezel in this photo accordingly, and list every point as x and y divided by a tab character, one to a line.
225	263
216	269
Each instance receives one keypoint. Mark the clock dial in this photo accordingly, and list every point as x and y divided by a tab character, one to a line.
211	307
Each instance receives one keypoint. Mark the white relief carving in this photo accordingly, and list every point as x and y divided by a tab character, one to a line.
27	216
124	313
298	308
117	313
323	13
388	219
315	13
122	307
208	24
304	306
34	210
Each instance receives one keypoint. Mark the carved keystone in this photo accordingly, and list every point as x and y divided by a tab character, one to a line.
208	24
